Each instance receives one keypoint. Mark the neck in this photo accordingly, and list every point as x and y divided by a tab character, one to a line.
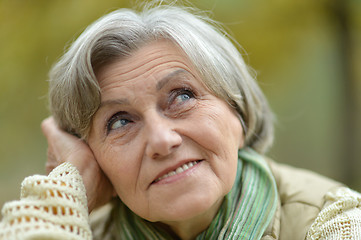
190	228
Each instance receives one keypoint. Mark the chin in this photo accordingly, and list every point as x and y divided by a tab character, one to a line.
187	208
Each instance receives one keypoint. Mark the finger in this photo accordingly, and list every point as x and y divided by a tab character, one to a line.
49	166
49	127
45	124
52	161
54	134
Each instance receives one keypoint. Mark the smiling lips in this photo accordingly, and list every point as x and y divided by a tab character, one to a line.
180	169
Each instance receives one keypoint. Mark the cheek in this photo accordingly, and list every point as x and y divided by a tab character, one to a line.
117	166
220	132
222	135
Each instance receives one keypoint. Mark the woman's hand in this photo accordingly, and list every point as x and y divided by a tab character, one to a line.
64	147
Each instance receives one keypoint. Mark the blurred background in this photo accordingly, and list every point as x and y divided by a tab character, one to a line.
307	55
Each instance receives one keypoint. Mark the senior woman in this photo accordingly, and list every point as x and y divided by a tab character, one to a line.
168	132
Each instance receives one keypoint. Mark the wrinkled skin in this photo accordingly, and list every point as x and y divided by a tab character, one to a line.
156	115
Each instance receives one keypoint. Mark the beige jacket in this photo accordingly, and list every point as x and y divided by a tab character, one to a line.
301	198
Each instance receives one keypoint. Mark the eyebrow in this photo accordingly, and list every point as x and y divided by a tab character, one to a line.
159	86
121	101
169	77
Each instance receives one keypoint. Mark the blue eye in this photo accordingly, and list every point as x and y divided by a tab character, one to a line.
117	121
183	95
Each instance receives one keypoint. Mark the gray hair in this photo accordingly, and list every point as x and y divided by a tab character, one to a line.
74	92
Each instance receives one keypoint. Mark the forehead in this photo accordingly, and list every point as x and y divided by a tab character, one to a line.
155	60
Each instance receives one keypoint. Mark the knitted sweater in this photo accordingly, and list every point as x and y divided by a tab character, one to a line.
52	207
55	207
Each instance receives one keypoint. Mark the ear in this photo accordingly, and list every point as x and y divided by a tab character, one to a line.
243	131
241	140
114	193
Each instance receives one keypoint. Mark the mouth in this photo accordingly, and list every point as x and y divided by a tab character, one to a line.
178	170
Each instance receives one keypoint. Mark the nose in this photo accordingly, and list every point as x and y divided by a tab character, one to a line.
162	138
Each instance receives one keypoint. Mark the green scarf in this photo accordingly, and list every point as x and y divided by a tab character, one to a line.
245	212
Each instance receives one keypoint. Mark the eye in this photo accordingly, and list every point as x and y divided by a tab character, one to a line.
118	120
182	95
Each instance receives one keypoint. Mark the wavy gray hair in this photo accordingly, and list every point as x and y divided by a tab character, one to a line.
74	93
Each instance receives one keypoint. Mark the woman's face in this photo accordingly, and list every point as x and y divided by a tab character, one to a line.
167	144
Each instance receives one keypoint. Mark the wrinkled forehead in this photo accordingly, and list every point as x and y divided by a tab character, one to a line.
159	59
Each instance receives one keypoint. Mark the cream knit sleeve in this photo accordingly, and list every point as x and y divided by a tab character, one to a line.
340	218
51	207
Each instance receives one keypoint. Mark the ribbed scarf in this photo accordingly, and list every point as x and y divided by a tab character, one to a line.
245	212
